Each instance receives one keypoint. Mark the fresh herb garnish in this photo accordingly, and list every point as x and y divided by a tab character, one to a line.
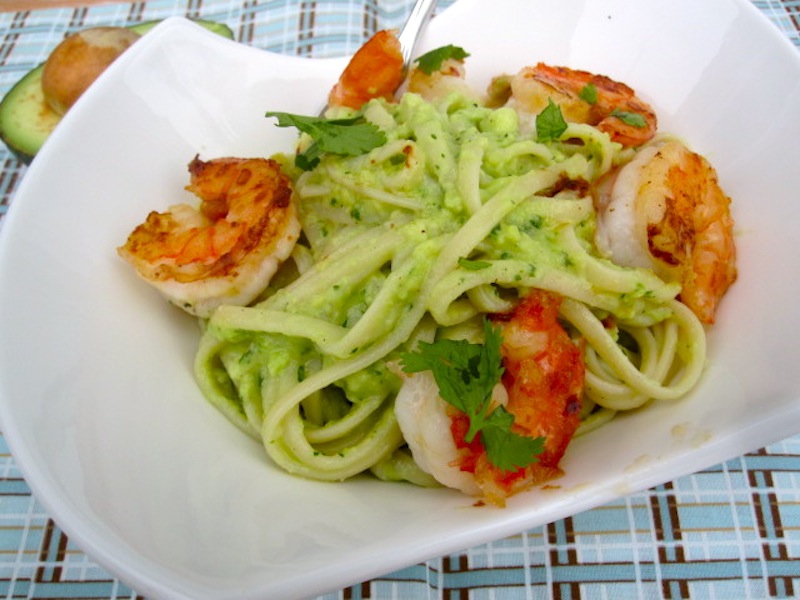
466	375
348	137
588	93
432	61
550	123
629	118
473	265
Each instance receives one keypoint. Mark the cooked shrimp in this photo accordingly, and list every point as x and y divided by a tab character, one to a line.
666	211
449	78
375	71
426	420
583	97
227	251
542	386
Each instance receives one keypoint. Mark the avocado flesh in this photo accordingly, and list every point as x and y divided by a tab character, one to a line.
26	120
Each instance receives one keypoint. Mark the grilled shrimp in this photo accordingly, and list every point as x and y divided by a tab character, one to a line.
666	211
583	97
542	386
375	71
226	251
426	422
448	78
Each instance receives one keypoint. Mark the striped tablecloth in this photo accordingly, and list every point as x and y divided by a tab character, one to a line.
731	531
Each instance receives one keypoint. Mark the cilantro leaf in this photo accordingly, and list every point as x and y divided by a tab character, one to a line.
550	123
309	158
432	61
348	137
588	93
459	371
466	375
629	118
508	451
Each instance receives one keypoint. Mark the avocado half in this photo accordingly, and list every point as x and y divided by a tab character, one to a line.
26	120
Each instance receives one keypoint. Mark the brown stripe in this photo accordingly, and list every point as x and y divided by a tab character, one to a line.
135	12
573	590
369	20
672	506
307	20
246	23
794	13
775	512
456	594
12	170
658	523
667	587
10	39
51	534
785	590
569	529
752	478
569	542
455	564
79	17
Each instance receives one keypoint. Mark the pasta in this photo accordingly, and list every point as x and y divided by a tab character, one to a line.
458	215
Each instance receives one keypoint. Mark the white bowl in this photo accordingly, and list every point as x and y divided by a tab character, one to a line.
98	402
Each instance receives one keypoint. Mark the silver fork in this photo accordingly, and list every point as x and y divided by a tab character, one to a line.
409	35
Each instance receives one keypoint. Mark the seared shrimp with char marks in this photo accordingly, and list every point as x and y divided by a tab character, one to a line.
226	251
583	97
374	71
666	211
542	387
